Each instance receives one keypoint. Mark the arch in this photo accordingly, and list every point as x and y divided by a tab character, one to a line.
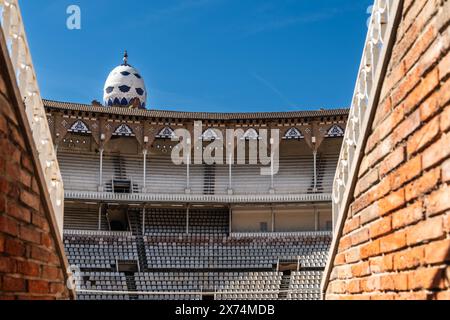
251	134
79	127
210	134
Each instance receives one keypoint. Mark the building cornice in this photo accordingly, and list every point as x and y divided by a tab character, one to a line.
157	114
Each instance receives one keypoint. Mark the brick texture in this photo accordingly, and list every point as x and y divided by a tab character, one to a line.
396	237
26	270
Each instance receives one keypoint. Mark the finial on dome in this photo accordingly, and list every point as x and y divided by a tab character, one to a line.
125	58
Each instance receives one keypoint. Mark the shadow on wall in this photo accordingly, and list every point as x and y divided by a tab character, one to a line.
441	278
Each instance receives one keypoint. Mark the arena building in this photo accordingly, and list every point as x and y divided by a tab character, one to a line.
146	204
136	221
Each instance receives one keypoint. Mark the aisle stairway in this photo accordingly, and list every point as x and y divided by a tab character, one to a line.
131	285
209	179
135	218
121	182
284	286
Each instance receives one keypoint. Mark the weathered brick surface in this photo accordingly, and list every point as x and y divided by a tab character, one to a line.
30	268
396	242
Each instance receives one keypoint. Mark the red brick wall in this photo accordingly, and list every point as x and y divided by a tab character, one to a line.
31	265
396	238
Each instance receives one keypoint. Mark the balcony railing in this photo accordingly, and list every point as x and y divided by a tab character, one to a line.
16	40
375	59
192	198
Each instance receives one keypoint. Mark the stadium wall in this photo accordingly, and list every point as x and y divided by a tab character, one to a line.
395	242
304	218
32	261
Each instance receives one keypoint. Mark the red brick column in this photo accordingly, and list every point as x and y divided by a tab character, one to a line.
396	238
31	262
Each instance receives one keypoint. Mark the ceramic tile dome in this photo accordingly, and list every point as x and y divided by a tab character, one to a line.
123	85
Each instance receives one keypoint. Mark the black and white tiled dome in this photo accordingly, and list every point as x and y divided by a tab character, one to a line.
123	85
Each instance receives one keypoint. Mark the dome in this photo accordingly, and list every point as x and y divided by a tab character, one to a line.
123	86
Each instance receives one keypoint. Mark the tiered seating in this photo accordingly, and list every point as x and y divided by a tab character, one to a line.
101	281
99	250
170	221
227	284
305	285
79	171
121	166
168	282
208	221
165	221
237	286
295	175
84	218
165	177
316	259
203	252
247	179
173	261
329	170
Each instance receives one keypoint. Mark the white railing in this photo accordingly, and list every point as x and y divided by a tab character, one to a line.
97	233
383	14
189	198
16	39
239	235
379	42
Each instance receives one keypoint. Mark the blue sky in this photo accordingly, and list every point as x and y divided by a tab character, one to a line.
203	55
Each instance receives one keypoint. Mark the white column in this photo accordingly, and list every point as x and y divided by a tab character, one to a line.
145	171
229	171
188	184
100	185
271	171
315	170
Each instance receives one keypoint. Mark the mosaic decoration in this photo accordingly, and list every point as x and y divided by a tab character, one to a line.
293	133
335	131
79	127
166	133
124	131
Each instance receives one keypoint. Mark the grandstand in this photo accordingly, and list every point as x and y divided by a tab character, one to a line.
139	227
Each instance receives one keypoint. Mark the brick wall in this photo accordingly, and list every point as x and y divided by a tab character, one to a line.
31	262
396	238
